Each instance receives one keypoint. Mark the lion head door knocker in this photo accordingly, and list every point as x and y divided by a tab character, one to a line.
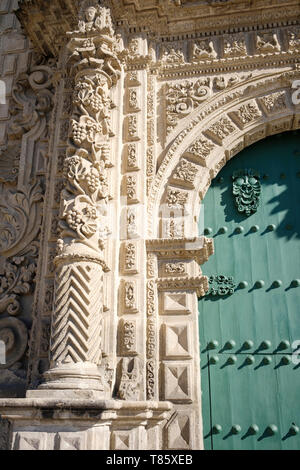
246	189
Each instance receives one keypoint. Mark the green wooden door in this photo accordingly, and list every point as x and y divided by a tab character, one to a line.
249	323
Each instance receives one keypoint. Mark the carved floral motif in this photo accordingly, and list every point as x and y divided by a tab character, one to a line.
9	163
77	318
182	98
176	198
128	337
221	129
174	268
185	172
16	278
130	296
274	103
20	216
201	149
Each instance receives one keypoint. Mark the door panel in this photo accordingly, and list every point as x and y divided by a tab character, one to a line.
260	320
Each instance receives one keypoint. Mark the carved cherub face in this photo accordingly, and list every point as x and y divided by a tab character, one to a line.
90	14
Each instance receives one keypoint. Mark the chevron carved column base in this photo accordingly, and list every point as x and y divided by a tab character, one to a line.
76	332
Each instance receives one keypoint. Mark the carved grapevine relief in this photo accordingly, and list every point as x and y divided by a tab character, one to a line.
79	262
246	189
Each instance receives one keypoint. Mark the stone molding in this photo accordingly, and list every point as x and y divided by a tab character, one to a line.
111	424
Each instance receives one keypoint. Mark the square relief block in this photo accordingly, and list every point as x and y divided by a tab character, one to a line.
179	432
31	441
175	303
177	382
176	340
122	440
70	441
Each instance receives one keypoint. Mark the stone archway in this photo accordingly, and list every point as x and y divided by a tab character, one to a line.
213	134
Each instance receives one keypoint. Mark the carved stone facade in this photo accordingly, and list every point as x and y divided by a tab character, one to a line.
118	115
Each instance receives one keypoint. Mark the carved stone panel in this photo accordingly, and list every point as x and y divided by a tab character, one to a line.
122	440
127	338
177	382
175	303
179	432
177	341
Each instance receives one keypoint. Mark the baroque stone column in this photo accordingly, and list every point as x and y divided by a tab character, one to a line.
78	305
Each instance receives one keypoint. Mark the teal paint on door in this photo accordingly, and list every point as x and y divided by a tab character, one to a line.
250	384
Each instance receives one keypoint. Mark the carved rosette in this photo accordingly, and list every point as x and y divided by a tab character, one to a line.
78	306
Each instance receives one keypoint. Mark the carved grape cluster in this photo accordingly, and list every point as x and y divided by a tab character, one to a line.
73	218
79	132
92	182
95	102
82	220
